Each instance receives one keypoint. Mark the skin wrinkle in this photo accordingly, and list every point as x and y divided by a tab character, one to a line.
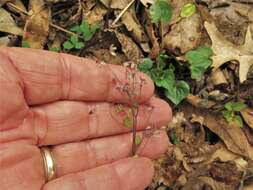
92	121
117	177
43	116
92	150
12	63
66	76
110	82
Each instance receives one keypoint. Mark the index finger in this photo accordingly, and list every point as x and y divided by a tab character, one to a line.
48	76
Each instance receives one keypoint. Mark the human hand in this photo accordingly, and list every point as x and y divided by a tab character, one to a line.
68	102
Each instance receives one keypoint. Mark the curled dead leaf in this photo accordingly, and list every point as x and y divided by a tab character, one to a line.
94	15
225	51
132	24
131	50
232	135
247	115
200	103
37	25
184	35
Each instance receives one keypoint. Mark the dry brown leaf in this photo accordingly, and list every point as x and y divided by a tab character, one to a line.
131	50
132	24
18	4
96	14
200	103
116	4
7	24
37	25
4	41
225	51
184	35
217	77
247	115
232	135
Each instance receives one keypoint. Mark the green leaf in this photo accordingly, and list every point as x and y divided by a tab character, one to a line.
199	60
238	106
76	29
68	45
88	31
228	115
146	64
138	140
79	45
25	44
235	106
128	122
161	60
167	80
229	106
178	92
188	10
54	49
161	10
238	120
174	138
74	39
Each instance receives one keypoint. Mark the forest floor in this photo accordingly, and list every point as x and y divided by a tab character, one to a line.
199	55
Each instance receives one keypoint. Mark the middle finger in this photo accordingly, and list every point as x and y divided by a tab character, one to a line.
67	121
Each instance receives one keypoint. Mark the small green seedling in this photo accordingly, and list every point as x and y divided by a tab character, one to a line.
73	43
164	78
87	31
187	10
161	11
230	112
84	32
199	60
25	44
55	49
138	140
174	138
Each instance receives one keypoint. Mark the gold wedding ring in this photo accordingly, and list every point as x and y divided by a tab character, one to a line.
49	163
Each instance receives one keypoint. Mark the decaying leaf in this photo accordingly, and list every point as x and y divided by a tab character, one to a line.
184	35
232	135
230	23
132	24
7	24
130	49
37	25
247	115
225	50
95	15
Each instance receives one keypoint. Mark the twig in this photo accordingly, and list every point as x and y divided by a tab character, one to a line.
122	12
50	23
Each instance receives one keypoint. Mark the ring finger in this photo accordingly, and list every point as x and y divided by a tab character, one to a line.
81	156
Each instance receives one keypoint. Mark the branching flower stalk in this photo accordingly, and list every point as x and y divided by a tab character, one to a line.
133	89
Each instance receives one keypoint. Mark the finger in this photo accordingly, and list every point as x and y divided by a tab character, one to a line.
66	121
49	76
81	156
126	174
20	167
